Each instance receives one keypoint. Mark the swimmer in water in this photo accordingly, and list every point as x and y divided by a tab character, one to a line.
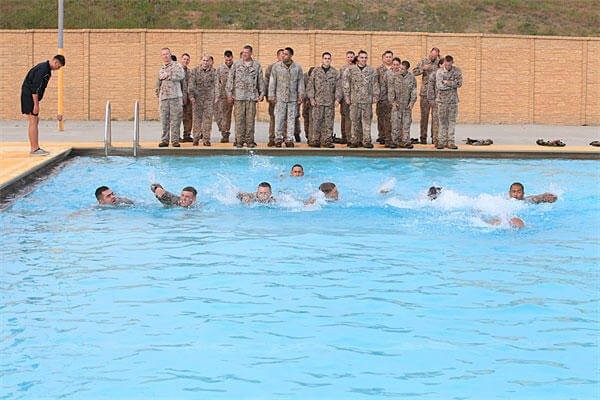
517	191
297	170
106	196
434	192
263	195
329	189
187	198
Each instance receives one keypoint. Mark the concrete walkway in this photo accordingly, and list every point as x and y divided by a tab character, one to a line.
122	131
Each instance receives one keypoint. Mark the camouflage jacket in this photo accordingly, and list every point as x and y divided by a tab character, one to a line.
167	198
203	84
185	82
170	87
286	84
426	73
268	76
402	89
222	75
447	93
245	82
324	87
382	73
360	86
431	90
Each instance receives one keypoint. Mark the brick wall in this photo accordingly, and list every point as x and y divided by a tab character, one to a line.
507	79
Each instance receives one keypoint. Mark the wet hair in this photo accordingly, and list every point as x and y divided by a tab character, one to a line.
434	192
279	51
362	52
517	184
326	187
326	54
449	58
173	57
60	58
265	184
186	54
406	64
397	59
298	165
228	53
248	47
350	52
289	50
387	52
190	189
99	191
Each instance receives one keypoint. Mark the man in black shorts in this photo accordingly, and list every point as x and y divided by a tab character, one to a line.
32	92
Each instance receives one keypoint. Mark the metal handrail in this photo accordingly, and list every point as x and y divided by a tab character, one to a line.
107	130
136	128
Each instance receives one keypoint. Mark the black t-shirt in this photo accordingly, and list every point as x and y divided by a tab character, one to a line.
37	79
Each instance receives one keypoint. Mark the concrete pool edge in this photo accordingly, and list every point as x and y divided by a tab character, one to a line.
500	152
24	182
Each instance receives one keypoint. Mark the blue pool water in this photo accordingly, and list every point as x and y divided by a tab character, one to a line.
376	296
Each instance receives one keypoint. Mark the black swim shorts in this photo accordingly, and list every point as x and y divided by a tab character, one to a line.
26	103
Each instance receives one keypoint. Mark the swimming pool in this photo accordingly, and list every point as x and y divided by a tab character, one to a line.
378	295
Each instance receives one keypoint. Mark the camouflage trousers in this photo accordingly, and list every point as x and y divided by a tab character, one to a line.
322	118
346	123
272	124
426	107
244	112
187	119
447	113
361	115
171	111
223	110
285	121
384	120
401	121
306	113
203	115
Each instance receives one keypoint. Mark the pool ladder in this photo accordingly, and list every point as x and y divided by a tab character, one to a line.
108	129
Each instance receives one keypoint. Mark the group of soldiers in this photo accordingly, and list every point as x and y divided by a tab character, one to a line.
196	96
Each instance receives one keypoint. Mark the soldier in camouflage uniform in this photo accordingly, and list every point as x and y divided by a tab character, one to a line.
187	198
384	108
431	93
323	89
361	91
168	91
402	95
272	105
223	108
426	68
245	86
286	90
203	94
345	123
447	80
187	105
306	109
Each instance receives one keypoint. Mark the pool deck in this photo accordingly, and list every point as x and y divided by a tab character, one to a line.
16	163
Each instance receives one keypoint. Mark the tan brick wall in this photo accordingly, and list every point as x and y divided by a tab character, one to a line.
507	79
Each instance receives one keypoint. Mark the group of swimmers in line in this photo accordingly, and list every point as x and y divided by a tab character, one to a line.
187	198
329	190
